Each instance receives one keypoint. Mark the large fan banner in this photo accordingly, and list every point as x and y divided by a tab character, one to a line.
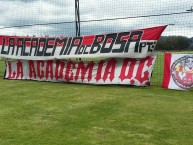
178	71
131	44
109	71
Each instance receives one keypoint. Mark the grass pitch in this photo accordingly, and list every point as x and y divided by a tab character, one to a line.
44	113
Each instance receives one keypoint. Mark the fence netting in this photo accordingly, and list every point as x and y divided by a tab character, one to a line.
57	18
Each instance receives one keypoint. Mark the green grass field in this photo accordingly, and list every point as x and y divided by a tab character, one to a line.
44	113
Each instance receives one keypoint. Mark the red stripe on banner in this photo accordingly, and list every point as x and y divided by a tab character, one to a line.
167	62
6	37
88	40
6	40
153	33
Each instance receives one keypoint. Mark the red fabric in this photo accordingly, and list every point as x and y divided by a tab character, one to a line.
153	33
167	62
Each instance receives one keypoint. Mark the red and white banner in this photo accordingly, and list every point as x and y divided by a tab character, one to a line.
110	71
178	71
131	44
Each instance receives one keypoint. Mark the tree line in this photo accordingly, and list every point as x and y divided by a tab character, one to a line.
179	43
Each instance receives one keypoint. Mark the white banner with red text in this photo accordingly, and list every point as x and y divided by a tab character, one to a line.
125	71
130	44
178	71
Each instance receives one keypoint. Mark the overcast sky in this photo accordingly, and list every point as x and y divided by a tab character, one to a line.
24	12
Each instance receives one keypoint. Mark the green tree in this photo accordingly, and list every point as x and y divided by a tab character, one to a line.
173	43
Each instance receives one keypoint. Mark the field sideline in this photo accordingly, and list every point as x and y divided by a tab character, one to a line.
44	113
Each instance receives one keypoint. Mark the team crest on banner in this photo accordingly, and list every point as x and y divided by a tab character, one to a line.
178	71
182	72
